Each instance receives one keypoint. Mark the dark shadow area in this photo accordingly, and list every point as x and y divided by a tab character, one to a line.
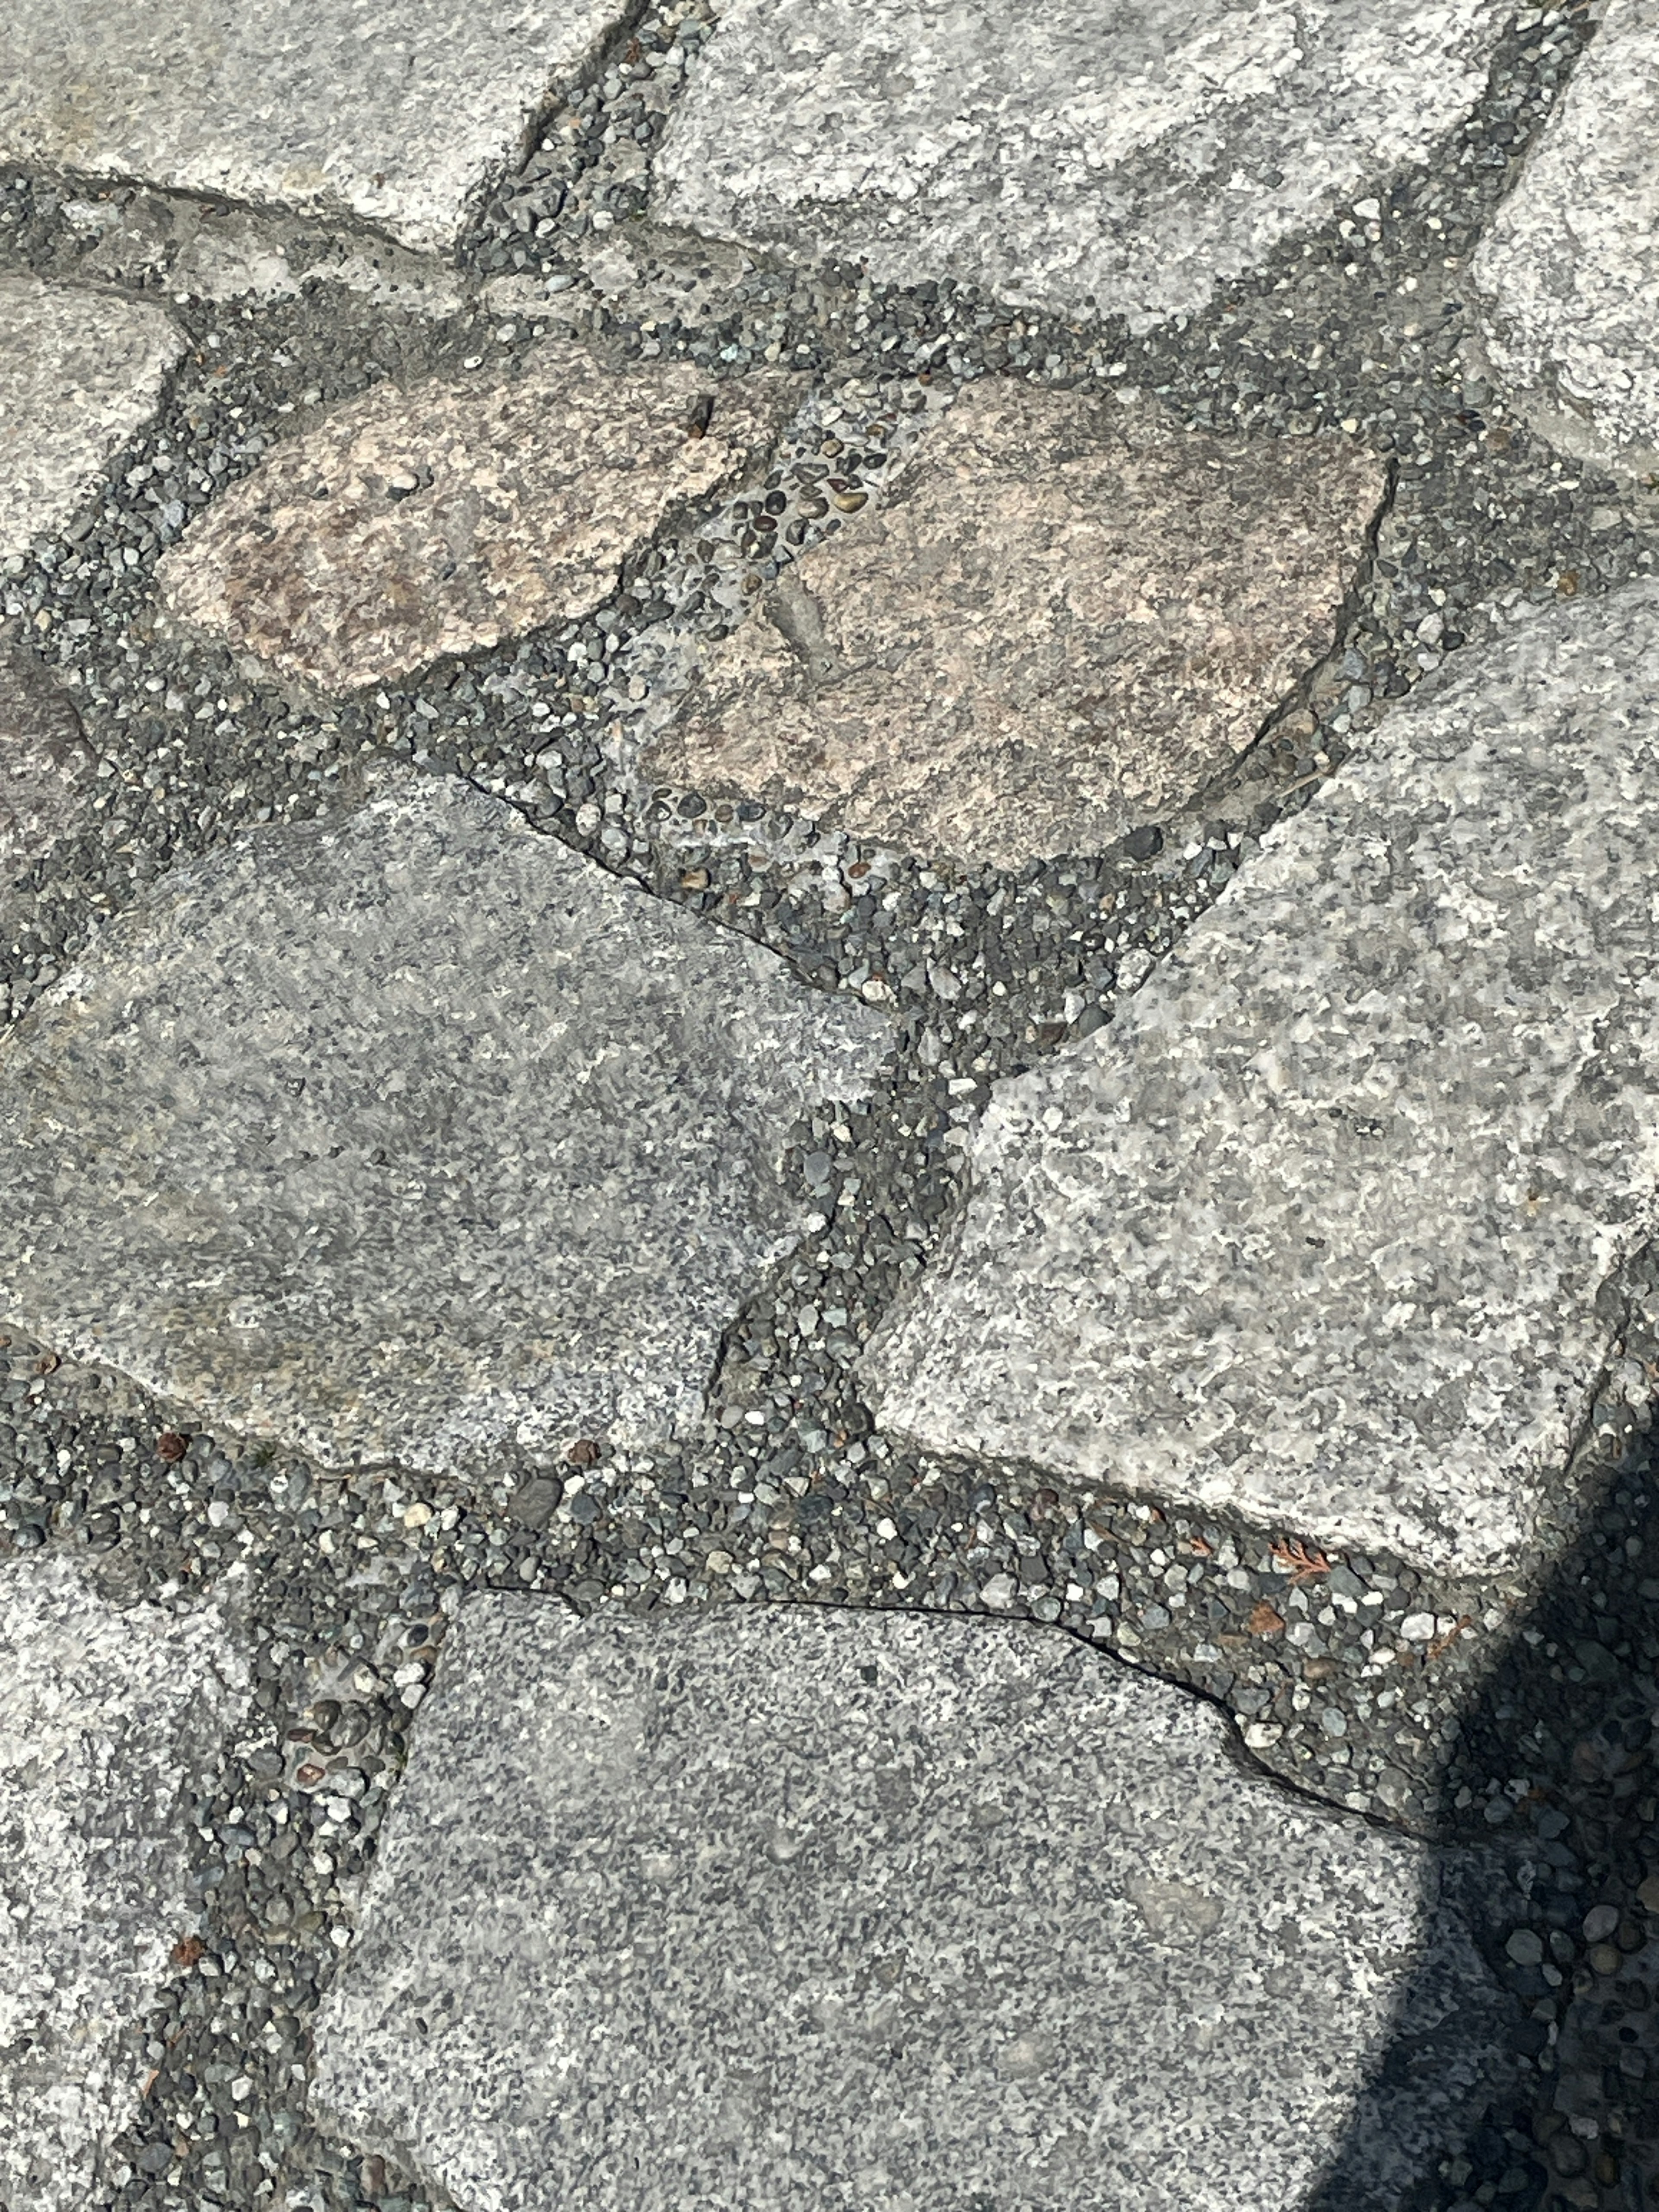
1558	1877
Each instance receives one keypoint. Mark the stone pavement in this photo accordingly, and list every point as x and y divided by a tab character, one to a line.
828	1303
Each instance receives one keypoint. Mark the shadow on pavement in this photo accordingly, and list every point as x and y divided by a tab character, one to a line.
1564	1900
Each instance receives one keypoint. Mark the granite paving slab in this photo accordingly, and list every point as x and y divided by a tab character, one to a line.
779	1906
109	1718
1126	161
79	372
402	1135
1070	614
1569	263
400	117
1318	1228
447	517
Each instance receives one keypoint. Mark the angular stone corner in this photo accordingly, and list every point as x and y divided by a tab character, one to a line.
1570	263
110	1721
1314	1229
46	766
1068	617
446	518
783	1905
399	117
1103	162
79	372
399	1137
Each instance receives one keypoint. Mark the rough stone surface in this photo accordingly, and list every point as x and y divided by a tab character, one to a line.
1570	264
1316	1227
1127	161
207	250
401	1137
412	524
783	1905
108	1720
45	764
79	372
1068	617
399	117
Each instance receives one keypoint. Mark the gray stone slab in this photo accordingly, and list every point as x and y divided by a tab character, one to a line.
412	524
784	1906
1569	266
1125	160
109	1721
79	372
400	117
46	766
204	250
1070	614
401	1136
1315	1228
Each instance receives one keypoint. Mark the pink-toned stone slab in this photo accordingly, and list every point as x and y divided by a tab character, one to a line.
446	518
1069	616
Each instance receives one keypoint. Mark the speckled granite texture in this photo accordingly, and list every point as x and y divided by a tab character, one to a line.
411	524
410	1133
1569	265
1068	617
400	117
1315	1228
782	1906
79	372
1127	161
109	1720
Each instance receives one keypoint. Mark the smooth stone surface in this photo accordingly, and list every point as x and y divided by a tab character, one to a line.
403	1136
109	1721
412	524
46	766
1314	1229
771	1906
1122	160
79	372
400	116
1569	265
1067	618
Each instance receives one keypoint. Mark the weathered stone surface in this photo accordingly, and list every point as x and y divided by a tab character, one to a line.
1127	161
79	372
207	250
109	1721
400	117
412	524
46	763
1315	1228
1569	263
784	1906
1067	618
406	1135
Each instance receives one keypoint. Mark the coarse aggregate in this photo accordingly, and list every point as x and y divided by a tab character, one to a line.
1520	1710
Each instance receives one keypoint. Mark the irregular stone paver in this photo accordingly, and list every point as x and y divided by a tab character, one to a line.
411	524
215	252
406	1135
1315	1228
1569	263
1127	162
79	372
1070	615
399	117
786	1905
46	766
109	1721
